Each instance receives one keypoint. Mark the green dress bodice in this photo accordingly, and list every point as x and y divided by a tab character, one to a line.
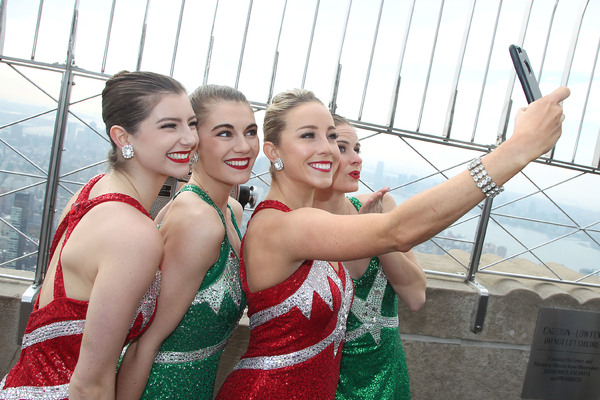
186	364
373	360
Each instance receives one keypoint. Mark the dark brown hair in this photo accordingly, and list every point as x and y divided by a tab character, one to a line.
128	99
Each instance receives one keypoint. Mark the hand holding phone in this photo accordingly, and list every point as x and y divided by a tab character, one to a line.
525	73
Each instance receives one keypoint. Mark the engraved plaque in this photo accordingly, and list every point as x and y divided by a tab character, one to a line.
564	362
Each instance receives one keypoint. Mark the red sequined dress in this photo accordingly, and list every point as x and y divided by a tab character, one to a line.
296	333
50	345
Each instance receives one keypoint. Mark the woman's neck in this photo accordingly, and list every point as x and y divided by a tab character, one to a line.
331	201
142	187
217	191
294	196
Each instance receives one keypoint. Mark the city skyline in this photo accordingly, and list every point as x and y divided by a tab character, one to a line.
90	149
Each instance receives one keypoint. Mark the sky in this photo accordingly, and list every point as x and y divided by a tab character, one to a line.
427	64
304	43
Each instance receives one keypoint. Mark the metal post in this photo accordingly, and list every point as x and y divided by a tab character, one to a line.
241	60
596	158
210	45
312	36
501	134
483	295
55	156
276	56
487	70
336	85
585	105
435	40
396	91
108	32
37	29
479	239
569	59
367	78
176	44
574	38
2	24
539	75
454	90
143	38
338	69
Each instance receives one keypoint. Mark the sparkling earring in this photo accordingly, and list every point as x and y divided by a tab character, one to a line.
194	158
278	164
127	151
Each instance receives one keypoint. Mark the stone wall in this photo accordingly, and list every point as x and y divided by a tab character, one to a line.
446	360
10	305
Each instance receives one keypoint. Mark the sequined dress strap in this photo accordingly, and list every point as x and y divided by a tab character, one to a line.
276	204
355	202
78	209
261	206
208	200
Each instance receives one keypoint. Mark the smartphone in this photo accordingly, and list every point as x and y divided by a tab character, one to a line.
525	73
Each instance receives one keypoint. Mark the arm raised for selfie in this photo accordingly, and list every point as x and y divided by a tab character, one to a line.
275	238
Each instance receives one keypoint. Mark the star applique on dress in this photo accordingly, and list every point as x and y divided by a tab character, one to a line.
368	311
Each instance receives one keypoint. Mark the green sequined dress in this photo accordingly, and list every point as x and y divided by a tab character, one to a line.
186	364
373	361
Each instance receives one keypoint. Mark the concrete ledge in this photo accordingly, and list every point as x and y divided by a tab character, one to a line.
235	349
10	305
447	313
461	370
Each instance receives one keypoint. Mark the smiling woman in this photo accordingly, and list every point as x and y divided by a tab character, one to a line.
298	306
103	278
373	361
201	300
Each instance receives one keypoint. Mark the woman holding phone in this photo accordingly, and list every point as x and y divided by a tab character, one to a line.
298	306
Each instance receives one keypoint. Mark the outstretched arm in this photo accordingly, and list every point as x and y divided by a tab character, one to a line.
276	243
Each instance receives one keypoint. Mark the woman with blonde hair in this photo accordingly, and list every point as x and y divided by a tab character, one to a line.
297	305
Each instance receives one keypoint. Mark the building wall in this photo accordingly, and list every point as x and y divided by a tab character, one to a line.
10	303
446	360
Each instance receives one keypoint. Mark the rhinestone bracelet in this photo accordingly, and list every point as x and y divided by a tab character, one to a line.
483	180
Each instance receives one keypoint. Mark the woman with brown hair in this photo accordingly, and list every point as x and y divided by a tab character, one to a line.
201	300
373	361
103	278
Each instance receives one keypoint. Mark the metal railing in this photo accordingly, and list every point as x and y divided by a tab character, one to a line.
440	69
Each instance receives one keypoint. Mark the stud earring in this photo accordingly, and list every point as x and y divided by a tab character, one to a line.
127	151
278	164
194	158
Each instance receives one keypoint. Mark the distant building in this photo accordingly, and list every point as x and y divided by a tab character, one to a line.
16	244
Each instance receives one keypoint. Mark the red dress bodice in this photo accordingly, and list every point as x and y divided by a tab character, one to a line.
296	333
52	338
